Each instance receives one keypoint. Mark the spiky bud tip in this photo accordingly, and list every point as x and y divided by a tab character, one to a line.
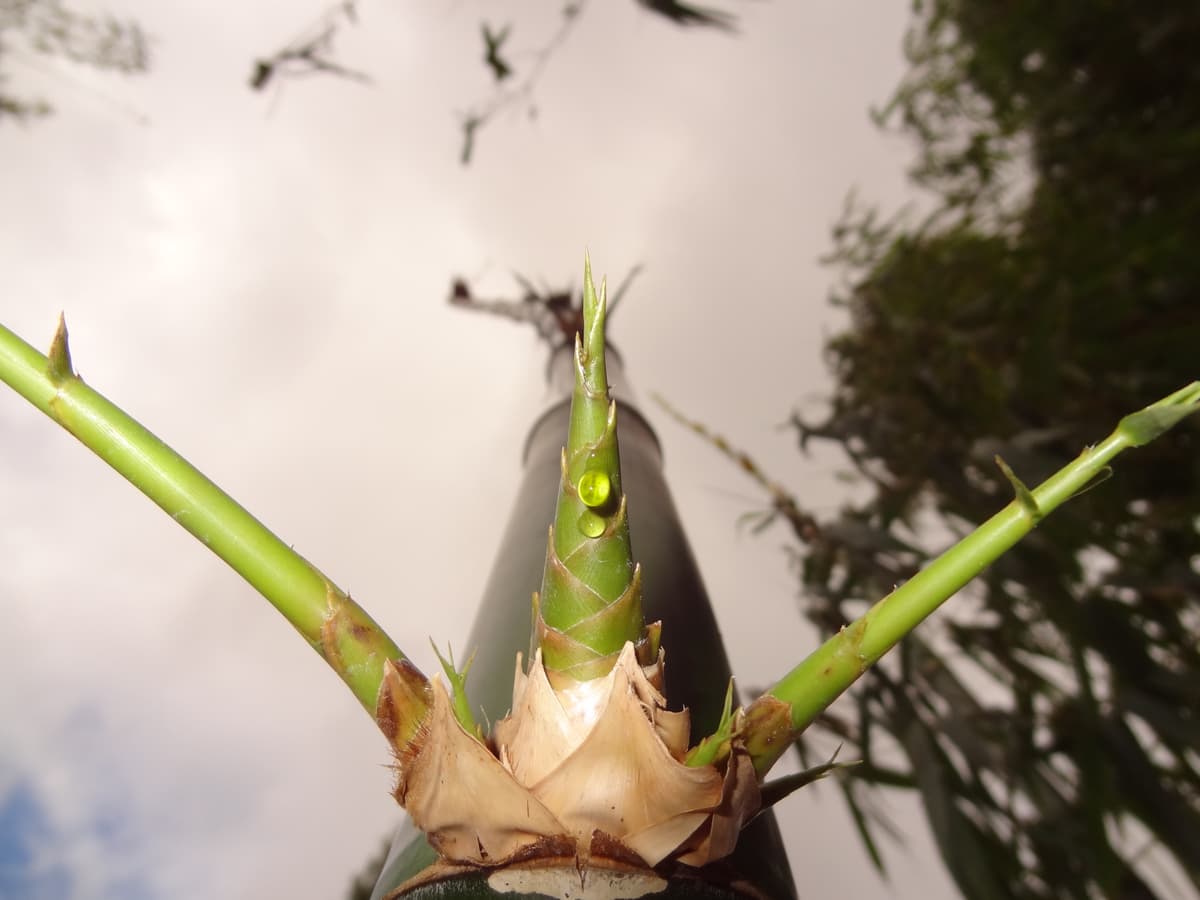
60	368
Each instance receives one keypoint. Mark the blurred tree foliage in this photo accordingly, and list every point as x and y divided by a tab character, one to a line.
34	30
1051	720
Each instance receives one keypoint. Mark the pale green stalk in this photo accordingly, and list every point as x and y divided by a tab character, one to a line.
814	684
590	603
336	627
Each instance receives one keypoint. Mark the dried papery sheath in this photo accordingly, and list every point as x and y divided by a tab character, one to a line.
608	759
469	806
571	770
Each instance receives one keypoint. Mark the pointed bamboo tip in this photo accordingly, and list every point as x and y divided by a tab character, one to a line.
404	700
1024	495
60	368
590	347
651	643
458	688
1142	427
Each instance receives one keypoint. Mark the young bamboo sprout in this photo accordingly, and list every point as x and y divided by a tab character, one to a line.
590	761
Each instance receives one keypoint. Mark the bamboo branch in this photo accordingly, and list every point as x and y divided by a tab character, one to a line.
332	623
814	684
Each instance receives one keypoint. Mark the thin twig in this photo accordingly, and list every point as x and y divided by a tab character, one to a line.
782	502
475	118
311	51
557	316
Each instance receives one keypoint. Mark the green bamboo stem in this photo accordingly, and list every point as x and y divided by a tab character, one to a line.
590	603
333	624
814	684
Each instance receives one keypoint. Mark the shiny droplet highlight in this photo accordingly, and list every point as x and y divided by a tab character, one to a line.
591	524
594	488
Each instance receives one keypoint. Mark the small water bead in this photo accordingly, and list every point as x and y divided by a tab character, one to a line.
591	524
594	488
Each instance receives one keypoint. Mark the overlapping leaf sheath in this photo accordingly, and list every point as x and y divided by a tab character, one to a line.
591	598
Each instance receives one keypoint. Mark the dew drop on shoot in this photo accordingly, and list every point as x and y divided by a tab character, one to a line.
591	524
594	489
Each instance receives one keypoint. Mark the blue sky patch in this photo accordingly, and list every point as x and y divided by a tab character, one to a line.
26	871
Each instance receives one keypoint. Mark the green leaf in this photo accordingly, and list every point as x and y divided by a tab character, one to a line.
458	689
862	825
776	790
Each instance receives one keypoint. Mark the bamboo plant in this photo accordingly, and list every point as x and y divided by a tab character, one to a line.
591	768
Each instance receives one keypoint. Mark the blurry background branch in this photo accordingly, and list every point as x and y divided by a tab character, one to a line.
311	51
557	316
34	31
504	97
514	73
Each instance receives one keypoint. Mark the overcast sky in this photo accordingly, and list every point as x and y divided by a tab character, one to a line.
261	277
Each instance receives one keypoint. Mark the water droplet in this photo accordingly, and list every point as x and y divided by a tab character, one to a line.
591	524
594	488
